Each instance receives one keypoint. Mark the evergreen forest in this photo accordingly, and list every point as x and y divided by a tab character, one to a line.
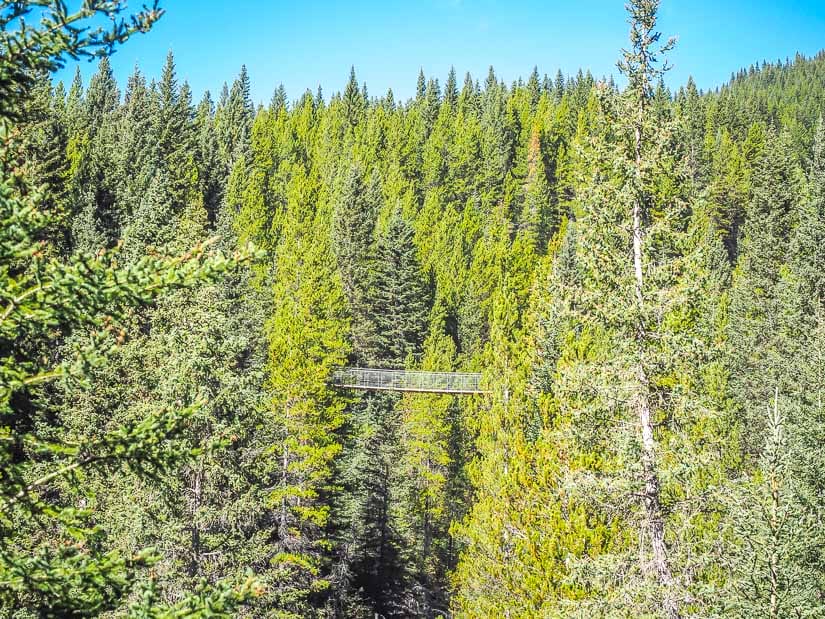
637	273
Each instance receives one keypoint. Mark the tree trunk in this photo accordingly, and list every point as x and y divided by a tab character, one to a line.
197	482
774	520
654	519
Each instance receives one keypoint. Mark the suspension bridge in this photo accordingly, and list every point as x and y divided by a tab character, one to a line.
372	379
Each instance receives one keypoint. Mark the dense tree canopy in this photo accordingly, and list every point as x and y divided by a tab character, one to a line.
636	273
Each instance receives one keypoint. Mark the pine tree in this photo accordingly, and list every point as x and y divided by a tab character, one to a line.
533	88
353	226
353	101
138	143
102	97
808	241
45	143
74	105
279	99
421	87
397	297
207	158
370	569
638	65
432	102
60	560
424	470
513	210
560	83
233	121
451	88
537	220
758	322
611	348
94	165
771	574
307	415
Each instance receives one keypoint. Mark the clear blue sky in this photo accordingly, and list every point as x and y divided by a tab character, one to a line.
303	43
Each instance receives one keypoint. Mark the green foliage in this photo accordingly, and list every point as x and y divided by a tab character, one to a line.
46	299
56	558
397	297
635	274
29	51
307	339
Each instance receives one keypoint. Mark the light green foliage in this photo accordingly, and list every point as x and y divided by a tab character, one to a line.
622	464
759	309
353	227
307	339
774	573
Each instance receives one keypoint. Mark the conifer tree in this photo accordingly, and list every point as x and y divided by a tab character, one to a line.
353	226
451	88
808	241
353	101
398	298
425	468
279	99
207	158
60	561
770	561
612	338
421	87
45	143
395	303
533	87
759	321
514	211
432	102
370	567
137	144
639	65
94	165
74	105
233	121
307	414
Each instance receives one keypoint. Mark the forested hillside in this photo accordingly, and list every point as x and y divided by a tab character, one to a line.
638	274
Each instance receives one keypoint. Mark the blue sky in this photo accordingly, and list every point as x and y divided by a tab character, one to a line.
302	44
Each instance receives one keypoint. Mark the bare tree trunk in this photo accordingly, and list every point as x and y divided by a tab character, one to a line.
197	483
425	558
774	521
283	524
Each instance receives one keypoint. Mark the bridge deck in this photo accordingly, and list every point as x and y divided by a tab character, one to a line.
459	383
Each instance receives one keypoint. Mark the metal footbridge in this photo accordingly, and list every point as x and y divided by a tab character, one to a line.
371	379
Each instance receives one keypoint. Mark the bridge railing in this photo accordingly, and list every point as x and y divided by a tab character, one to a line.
407	380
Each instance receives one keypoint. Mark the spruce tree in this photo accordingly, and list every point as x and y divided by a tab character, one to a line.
421	87
353	101
425	467
305	413
398	297
95	187
759	317
451	88
138	143
56	559
45	143
353	225
207	158
639	65
233	121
